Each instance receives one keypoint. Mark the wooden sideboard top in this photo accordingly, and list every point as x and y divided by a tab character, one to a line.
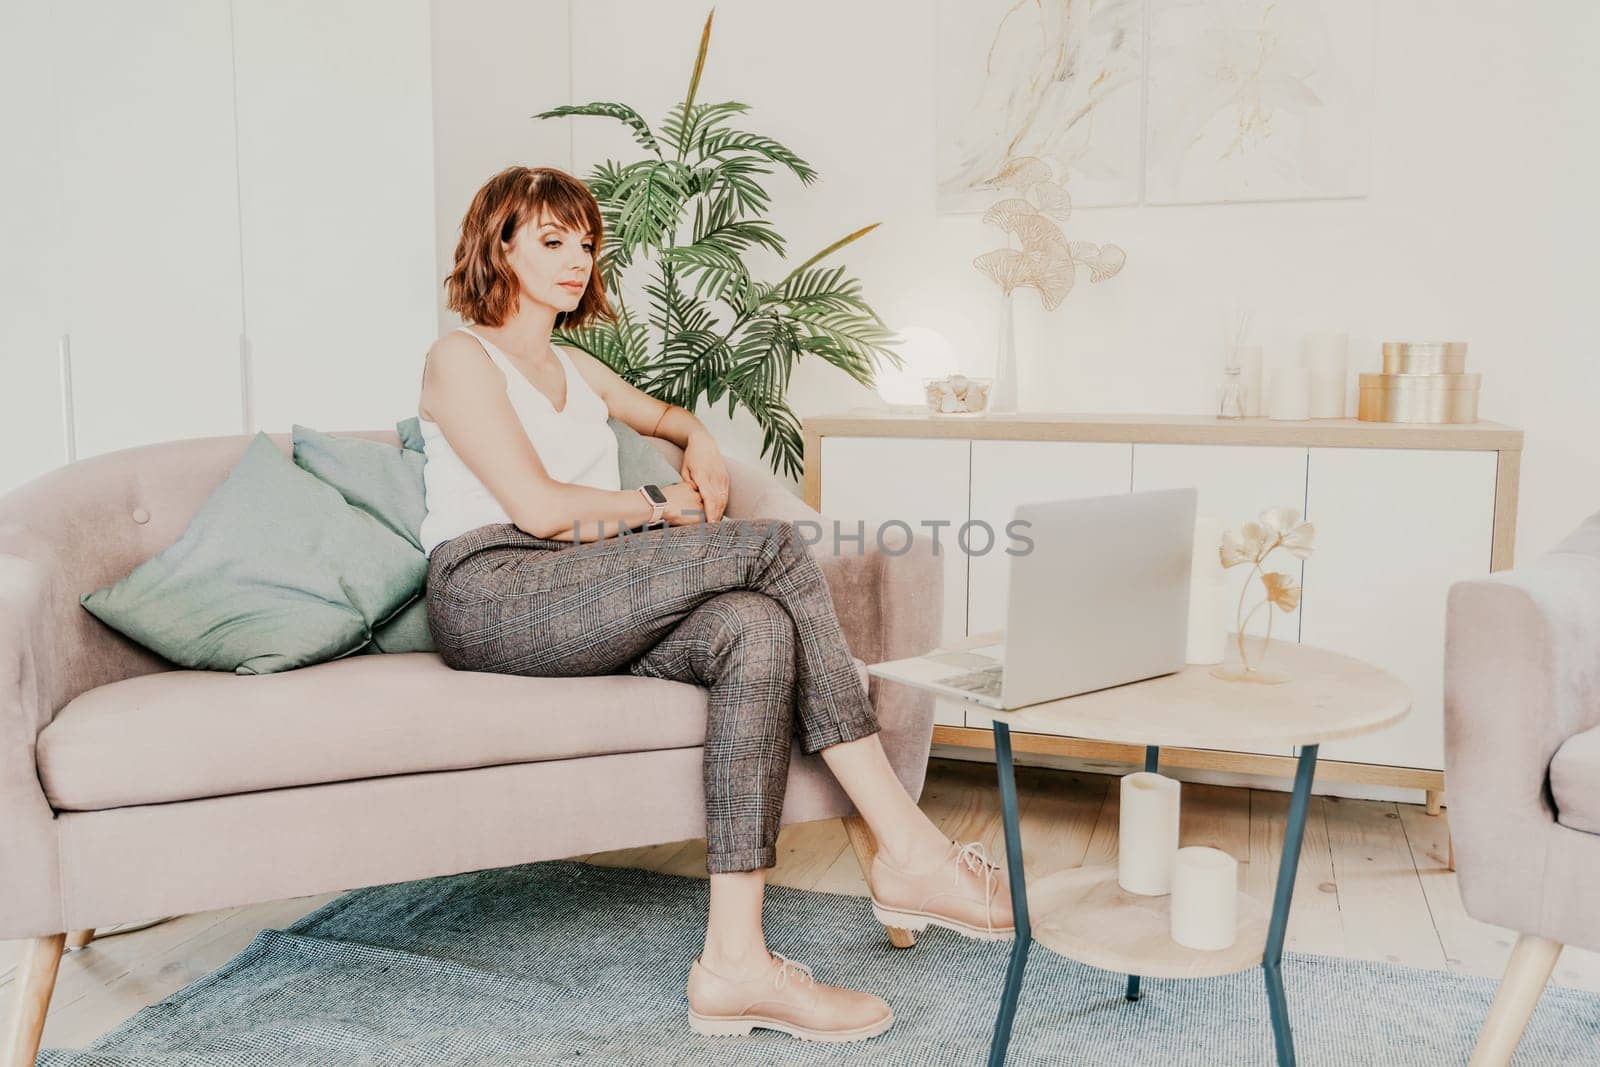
1162	429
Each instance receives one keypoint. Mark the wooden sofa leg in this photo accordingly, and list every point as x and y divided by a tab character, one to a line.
36	980
79	939
1526	974
1434	799
866	847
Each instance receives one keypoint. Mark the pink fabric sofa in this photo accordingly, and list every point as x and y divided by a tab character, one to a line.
130	788
1522	760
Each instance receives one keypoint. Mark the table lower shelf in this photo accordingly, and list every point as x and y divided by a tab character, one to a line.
1083	914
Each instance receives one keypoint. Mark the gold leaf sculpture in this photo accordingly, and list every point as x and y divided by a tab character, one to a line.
1275	528
1008	267
1048	262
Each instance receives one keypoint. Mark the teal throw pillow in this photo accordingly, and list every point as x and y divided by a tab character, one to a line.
380	479
275	571
410	431
638	462
386	483
407	632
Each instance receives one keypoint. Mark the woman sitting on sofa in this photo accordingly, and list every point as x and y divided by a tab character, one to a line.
526	575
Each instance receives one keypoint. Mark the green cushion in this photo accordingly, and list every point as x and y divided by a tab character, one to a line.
410	431
407	632
638	462
275	571
380	479
386	483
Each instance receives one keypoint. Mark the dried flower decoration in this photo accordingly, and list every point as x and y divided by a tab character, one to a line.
1275	528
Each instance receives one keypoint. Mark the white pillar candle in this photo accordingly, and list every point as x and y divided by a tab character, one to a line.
1208	630
1249	360
1205	898
1325	356
1147	833
1291	394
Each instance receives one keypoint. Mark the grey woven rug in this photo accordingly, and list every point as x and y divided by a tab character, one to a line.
564	961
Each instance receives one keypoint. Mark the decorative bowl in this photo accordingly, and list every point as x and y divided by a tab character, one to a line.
957	394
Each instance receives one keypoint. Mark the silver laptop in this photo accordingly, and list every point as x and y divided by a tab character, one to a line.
1101	599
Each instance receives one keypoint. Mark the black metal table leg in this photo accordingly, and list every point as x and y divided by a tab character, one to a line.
1019	895
1288	867
1152	762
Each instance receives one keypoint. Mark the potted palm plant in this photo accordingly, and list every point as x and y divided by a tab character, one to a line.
681	219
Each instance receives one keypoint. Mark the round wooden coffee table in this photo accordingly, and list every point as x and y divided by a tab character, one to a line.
1083	913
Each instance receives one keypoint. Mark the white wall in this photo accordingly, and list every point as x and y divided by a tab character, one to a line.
186	179
1479	224
495	63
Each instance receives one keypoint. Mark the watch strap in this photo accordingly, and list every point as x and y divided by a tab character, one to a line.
657	509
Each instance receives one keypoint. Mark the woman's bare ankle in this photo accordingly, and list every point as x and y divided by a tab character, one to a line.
915	851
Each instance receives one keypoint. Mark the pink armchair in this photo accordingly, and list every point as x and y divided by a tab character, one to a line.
1522	763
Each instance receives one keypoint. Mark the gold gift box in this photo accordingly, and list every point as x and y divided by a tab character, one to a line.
1434	398
1424	357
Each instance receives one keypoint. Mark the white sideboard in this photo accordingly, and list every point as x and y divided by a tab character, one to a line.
1401	512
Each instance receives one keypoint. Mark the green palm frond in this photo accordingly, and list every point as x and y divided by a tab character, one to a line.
649	199
780	430
622	346
684	128
621	112
737	143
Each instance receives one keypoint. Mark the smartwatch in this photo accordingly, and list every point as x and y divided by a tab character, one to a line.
658	502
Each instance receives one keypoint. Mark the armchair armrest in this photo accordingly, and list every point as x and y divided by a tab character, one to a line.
1521	675
30	893
890	603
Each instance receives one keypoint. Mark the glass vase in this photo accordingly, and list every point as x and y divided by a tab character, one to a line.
1003	393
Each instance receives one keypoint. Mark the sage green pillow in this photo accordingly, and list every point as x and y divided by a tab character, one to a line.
407	632
275	571
638	462
386	483
380	479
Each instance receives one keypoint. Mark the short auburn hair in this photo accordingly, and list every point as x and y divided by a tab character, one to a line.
481	286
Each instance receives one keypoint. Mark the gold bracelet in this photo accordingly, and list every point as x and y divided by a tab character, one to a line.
663	415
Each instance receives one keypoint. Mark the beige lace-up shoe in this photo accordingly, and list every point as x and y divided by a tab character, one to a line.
786	997
963	892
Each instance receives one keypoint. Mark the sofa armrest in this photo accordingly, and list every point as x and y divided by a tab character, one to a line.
1521	675
890	603
30	893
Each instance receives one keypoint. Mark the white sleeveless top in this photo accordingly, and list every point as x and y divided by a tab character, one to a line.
575	445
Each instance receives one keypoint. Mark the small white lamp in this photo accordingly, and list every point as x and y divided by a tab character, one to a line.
927	355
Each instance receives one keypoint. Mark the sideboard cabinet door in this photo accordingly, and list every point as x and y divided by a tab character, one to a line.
1395	528
912	480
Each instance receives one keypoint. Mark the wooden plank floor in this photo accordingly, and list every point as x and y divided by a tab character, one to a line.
1372	884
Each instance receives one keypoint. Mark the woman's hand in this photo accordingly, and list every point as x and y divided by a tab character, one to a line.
684	506
703	468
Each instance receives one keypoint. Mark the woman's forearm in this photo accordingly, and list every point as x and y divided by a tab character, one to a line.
569	512
678	425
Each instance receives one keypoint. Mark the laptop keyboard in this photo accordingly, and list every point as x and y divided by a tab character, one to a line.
985	682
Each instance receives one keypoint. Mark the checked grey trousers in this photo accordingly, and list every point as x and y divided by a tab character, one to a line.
738	606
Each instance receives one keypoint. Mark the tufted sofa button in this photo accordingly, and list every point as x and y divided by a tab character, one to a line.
141	516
